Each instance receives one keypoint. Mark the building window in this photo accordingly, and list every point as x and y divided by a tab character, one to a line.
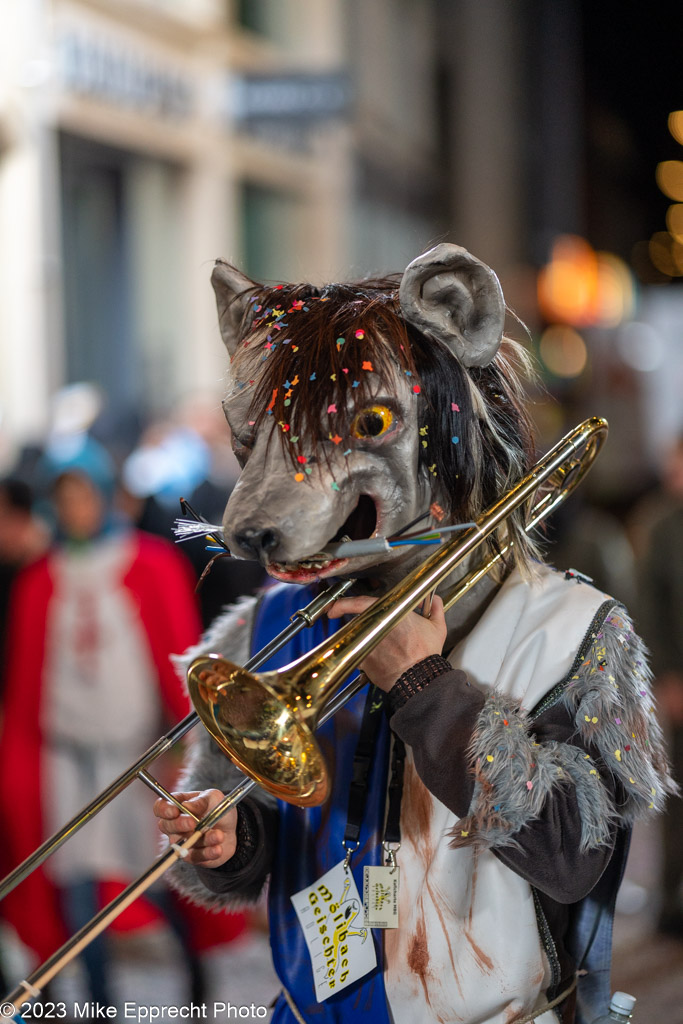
254	15
271	231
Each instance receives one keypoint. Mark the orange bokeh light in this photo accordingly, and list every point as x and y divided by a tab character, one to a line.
582	287
676	125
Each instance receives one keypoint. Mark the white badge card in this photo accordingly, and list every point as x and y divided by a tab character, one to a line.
380	896
339	944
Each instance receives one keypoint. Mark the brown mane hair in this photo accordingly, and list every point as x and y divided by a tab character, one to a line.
326	344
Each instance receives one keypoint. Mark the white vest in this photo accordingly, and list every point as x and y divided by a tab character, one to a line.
100	708
468	948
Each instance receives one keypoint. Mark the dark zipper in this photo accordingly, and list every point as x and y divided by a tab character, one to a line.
548	941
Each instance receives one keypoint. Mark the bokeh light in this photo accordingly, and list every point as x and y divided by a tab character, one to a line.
582	287
676	125
615	299
669	176
644	268
666	253
563	351
674	221
640	346
567	286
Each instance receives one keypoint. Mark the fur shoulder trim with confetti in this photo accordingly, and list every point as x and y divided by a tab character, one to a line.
608	695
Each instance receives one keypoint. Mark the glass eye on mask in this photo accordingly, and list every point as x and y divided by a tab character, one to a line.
373	421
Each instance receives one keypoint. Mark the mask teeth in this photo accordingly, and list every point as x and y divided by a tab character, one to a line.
315	561
320	557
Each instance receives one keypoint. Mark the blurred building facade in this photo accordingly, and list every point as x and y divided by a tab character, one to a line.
140	139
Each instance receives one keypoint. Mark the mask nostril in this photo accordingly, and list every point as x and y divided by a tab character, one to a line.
269	540
258	542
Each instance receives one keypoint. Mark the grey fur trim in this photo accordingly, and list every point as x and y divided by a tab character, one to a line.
596	810
610	701
229	635
506	760
207	767
515	775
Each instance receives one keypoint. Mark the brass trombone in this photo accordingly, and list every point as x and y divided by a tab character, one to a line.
266	723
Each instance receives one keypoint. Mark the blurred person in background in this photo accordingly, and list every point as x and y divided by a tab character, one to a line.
191	456
23	538
229	578
89	683
661	622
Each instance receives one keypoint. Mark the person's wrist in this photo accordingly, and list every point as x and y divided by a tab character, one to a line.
415	679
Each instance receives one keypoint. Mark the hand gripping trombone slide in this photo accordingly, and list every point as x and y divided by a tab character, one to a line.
265	723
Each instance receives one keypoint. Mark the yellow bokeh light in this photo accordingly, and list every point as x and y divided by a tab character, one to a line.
669	176
674	221
615	299
676	125
563	351
666	254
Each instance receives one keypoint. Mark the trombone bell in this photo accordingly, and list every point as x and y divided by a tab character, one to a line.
265	732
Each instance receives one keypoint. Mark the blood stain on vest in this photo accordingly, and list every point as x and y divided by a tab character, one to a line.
417	811
436	899
418	956
484	962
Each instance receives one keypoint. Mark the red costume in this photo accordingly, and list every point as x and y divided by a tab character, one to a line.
161	588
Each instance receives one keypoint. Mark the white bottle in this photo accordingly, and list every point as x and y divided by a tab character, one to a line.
620	1009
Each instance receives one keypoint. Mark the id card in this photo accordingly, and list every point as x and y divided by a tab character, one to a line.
339	943
380	896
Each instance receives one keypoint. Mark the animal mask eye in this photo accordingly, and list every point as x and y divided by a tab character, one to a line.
373	421
241	450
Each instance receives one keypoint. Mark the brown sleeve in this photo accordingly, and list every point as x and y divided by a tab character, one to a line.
437	722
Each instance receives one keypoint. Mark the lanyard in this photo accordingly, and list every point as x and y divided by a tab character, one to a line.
362	764
392	829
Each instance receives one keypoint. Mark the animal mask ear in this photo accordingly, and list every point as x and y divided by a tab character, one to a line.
450	295
233	290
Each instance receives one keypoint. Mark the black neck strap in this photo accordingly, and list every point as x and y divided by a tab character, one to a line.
392	829
362	765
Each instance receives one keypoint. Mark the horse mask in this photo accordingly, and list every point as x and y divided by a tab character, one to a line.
354	407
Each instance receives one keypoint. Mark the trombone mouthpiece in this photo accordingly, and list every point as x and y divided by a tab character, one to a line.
358	548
